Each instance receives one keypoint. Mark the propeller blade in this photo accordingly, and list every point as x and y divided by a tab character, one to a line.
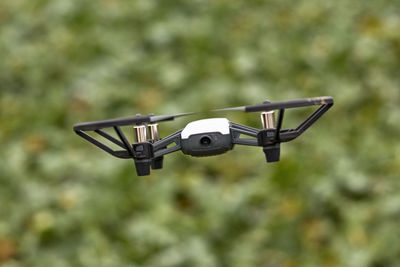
169	117
243	108
95	125
138	119
324	100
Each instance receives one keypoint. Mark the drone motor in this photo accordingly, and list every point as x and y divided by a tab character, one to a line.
154	135
141	133
268	119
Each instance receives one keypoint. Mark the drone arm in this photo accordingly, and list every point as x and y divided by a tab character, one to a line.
279	124
125	154
238	129
313	118
288	135
160	147
251	131
166	151
125	141
118	154
270	139
245	141
110	138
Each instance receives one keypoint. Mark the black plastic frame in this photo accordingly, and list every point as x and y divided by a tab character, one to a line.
269	139
280	135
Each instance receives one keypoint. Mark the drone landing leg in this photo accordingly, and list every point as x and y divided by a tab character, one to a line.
143	157
272	153
157	163
142	166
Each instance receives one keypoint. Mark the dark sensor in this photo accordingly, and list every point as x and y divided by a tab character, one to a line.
205	141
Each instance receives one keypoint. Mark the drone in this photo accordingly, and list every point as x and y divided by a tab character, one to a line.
201	138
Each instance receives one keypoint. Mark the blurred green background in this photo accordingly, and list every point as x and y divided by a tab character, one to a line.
333	200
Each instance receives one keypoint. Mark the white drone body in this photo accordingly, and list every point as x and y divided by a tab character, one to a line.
206	137
215	125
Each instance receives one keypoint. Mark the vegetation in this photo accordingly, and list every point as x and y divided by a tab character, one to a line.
333	200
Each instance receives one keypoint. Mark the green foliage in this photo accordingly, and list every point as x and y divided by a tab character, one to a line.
333	200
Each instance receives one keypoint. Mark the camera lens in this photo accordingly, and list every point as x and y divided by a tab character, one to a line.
205	141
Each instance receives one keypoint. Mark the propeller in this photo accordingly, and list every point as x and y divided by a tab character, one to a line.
135	120
266	106
169	117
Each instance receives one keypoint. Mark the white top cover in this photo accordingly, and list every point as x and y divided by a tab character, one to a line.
219	125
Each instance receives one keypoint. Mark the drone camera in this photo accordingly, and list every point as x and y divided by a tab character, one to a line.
207	137
205	141
200	145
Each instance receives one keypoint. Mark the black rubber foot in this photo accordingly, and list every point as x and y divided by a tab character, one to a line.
157	163
143	167
272	153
